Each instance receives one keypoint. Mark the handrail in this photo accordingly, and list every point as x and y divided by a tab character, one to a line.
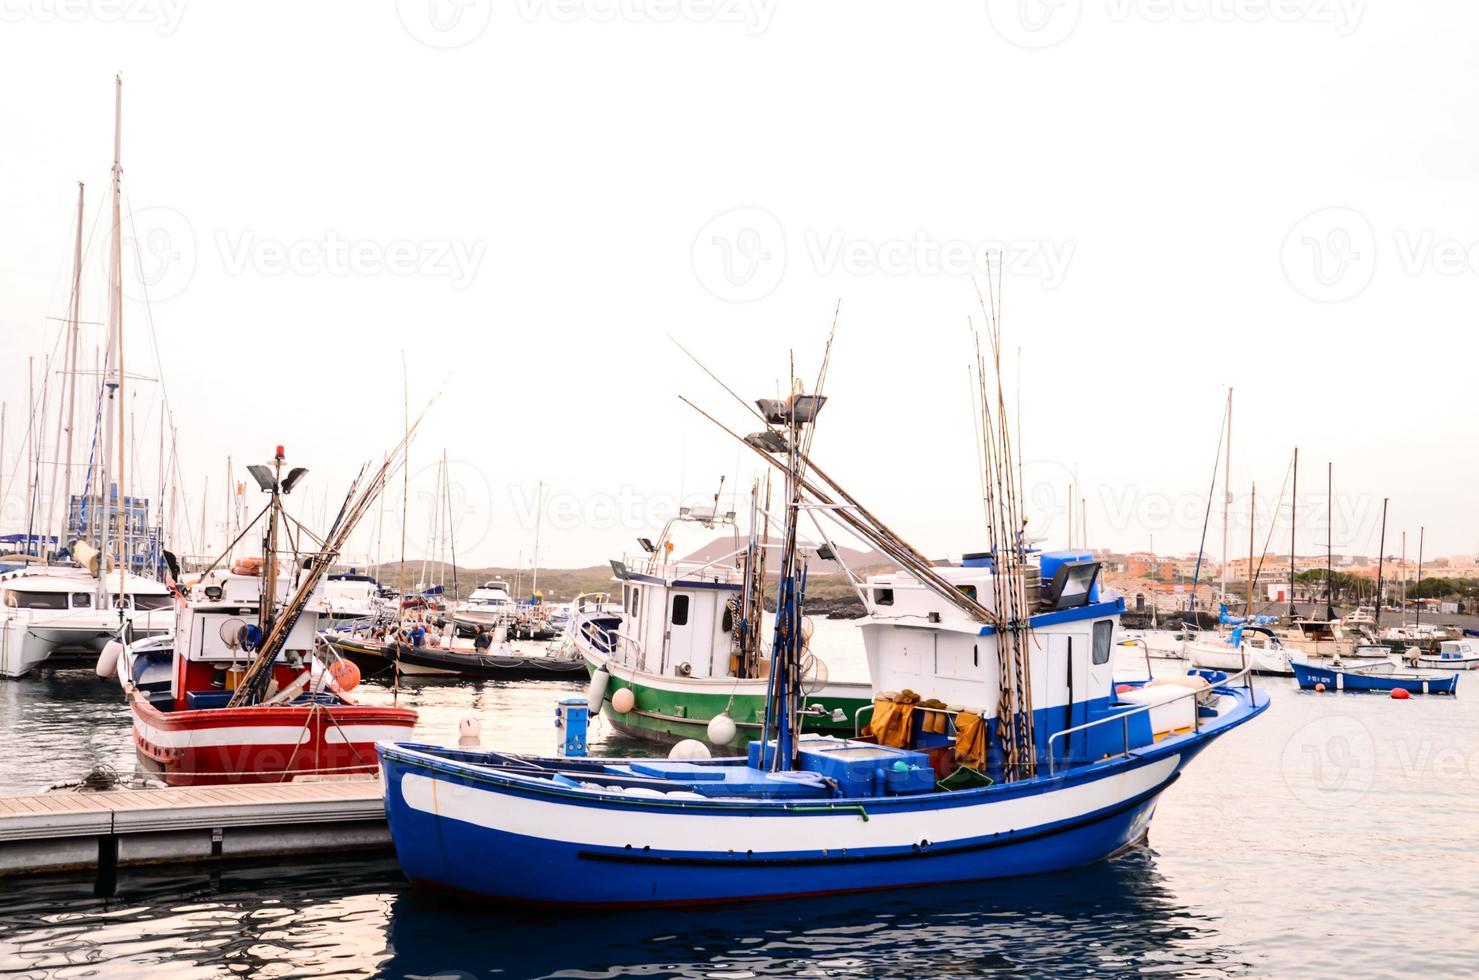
1123	717
610	636
1149	674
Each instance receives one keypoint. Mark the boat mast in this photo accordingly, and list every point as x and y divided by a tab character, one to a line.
1252	518
267	612
1380	558
1293	524
111	381
538	520
405	484
69	387
1421	533
1226	494
451	531
1329	541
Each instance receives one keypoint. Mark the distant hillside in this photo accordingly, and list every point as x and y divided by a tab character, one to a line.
856	560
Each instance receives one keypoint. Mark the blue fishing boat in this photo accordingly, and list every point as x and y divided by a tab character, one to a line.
1376	677
998	743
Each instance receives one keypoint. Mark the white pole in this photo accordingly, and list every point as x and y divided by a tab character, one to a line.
1226	493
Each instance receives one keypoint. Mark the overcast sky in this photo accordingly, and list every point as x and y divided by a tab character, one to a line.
527	198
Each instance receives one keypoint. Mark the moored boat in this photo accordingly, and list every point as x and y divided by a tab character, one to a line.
1452	654
239	692
1374	677
1059	766
1254	647
502	660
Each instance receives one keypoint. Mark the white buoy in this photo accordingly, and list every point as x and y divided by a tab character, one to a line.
596	693
689	749
108	659
468	731
722	729
623	701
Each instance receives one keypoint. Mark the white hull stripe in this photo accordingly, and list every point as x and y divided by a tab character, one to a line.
550	819
201	738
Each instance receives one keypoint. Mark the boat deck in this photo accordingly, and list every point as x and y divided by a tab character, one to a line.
65	831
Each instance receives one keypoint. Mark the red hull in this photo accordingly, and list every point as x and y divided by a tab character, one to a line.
263	744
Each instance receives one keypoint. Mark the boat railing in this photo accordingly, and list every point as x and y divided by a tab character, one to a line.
610	641
1123	718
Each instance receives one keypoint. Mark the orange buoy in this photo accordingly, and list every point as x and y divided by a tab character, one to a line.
1320	688
345	674
1400	694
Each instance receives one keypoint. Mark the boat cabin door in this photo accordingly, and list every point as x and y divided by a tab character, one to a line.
688	625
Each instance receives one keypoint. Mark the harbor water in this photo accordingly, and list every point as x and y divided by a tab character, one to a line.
1335	834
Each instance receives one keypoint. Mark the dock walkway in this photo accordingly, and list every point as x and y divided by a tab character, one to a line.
63	831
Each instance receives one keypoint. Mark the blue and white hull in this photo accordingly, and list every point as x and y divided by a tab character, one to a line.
502	828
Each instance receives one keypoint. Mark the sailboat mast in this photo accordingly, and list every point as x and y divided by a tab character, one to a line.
1381	549
113	383
538	520
1252	519
1293	524
69	388
405	478
1329	541
1226	493
116	271
1421	533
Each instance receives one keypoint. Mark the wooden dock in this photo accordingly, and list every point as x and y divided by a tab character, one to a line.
63	831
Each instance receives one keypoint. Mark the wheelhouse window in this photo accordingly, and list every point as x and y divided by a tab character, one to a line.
680	610
1103	641
36	600
152	602
883	597
969	591
81	600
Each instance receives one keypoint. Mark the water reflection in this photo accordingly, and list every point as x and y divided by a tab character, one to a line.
1112	919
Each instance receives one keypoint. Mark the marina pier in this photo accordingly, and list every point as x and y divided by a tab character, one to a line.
81	832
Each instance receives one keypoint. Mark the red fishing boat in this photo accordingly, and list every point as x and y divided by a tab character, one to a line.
243	690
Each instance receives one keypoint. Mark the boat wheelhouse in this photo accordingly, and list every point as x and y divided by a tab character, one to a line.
677	644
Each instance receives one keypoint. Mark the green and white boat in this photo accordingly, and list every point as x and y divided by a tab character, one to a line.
688	644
